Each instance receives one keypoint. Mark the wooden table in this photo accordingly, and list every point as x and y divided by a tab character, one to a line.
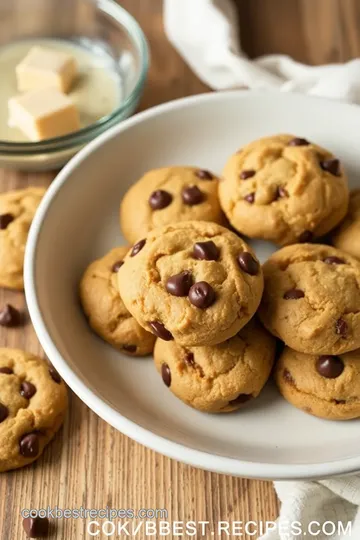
89	463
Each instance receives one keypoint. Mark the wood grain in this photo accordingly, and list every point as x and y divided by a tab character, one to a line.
90	464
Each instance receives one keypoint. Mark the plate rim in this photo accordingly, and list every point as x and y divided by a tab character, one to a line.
197	458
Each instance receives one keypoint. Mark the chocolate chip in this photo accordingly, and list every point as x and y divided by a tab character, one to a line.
341	327
166	374
250	198
332	166
160	199
54	375
4	412
129	348
242	398
334	260
160	331
244	175
137	247
306	236
204	175
293	294
179	285
281	192
5	219
189	358
29	445
36	527
288	377
329	366
248	264
192	195
206	251
9	316
27	390
202	295
339	401
6	370
298	141
116	266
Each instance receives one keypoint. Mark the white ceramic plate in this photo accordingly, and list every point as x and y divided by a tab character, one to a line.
78	221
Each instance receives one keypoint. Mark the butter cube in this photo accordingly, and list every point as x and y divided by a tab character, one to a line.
43	68
42	114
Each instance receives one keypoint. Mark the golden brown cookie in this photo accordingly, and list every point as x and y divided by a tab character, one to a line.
33	402
220	378
325	386
347	236
312	299
106	312
285	189
17	209
195	282
169	195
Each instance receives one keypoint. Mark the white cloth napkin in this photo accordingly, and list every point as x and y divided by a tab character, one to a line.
205	33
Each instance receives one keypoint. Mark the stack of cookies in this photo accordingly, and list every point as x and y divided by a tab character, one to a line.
192	283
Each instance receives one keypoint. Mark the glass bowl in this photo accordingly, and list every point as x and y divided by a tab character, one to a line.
99	24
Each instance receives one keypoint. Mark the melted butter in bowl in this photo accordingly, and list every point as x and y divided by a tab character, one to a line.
96	90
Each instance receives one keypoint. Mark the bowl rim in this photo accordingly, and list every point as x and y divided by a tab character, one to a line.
83	135
197	458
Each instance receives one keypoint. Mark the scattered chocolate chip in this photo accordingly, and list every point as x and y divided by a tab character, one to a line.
242	398
137	247
129	348
202	295
206	251
250	198
281	193
294	294
4	412
160	199
332	166
288	377
5	219
116	266
306	236
339	401
36	527
179	285
160	331
9	316
329	366
334	260
204	175
6	370
192	195
189	358
248	264
54	375
166	374
298	141
244	175
27	390
341	327
29	445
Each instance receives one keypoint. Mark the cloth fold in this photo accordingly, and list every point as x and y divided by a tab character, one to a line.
205	33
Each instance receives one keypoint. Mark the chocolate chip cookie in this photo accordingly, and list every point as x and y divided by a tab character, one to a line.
195	282
33	402
17	209
106	312
347	236
325	386
169	195
284	189
312	299
220	378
